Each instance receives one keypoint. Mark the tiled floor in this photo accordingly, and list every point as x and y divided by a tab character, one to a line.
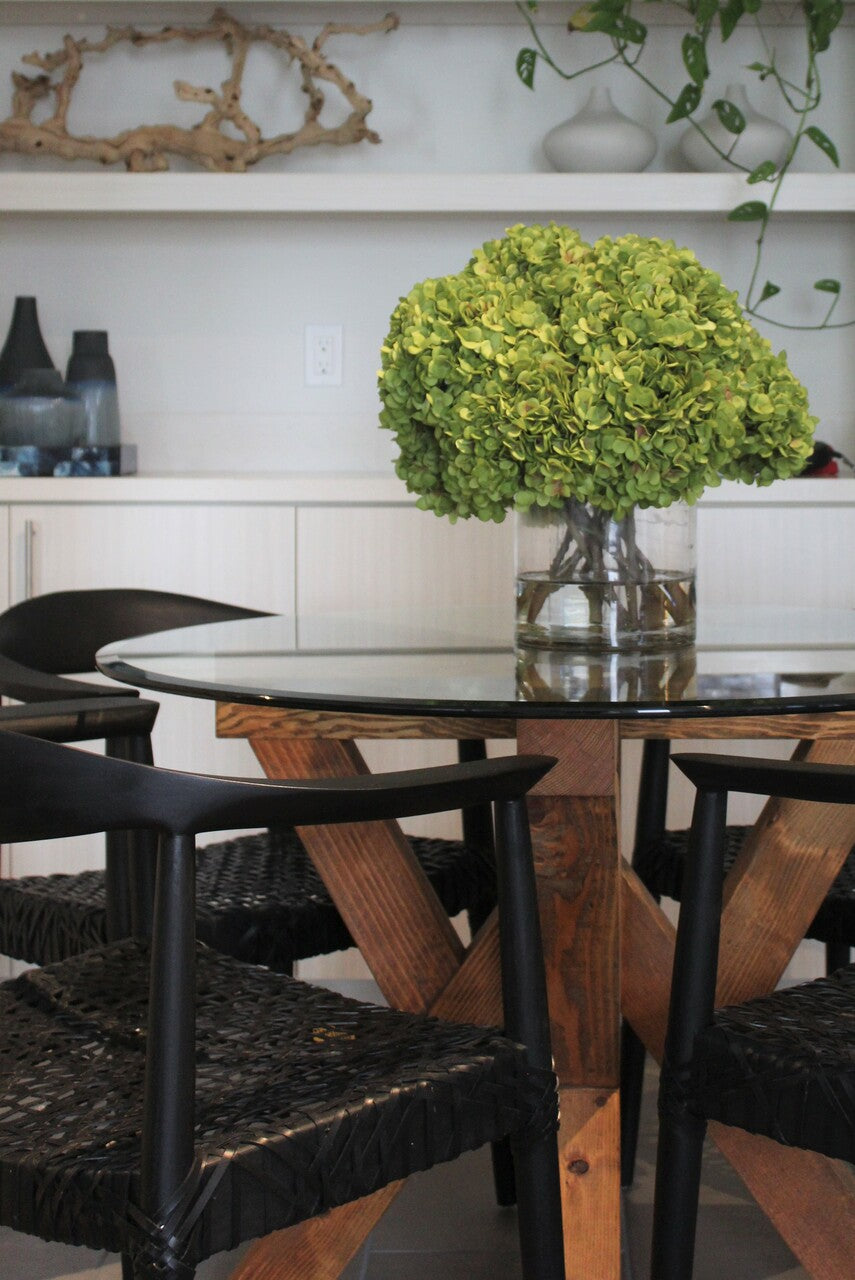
445	1226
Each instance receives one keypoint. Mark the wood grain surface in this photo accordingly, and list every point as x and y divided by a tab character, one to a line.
237	721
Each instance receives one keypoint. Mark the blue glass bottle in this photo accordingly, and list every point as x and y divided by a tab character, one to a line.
91	375
41	412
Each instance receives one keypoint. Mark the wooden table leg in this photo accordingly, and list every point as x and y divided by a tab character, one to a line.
772	895
574	813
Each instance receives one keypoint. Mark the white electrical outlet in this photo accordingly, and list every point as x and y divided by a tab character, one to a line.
323	355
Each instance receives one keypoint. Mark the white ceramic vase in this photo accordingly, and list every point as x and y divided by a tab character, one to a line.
761	139
599	139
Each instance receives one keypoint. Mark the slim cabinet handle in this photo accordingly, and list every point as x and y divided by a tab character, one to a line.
29	564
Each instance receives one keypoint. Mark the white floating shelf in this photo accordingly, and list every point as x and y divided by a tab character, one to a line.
409	193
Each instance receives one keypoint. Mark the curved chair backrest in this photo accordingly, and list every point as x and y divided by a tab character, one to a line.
62	631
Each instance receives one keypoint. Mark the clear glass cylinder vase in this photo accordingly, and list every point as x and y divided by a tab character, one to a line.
586	580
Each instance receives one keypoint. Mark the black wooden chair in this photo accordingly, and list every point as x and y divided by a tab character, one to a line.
782	1065
167	1102
659	858
259	897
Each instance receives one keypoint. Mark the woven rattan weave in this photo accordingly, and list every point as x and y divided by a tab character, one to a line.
258	898
784	1066
304	1100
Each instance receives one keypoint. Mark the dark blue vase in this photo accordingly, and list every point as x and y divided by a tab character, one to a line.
24	347
91	375
40	410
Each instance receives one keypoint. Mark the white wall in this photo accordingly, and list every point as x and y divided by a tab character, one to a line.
206	315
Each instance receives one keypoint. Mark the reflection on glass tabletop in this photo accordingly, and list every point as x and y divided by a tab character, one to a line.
465	662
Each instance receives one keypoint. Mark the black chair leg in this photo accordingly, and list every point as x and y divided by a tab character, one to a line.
678	1181
649	827
478	831
540	1223
632	1058
837	954
538	1183
167	1144
504	1176
127	1268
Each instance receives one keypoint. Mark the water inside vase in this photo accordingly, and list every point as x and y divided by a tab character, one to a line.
606	614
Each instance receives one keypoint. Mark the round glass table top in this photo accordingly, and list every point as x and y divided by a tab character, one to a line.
747	660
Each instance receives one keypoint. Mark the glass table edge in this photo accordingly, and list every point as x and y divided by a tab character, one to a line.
124	672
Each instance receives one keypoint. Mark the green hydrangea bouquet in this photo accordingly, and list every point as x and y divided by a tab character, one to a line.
591	380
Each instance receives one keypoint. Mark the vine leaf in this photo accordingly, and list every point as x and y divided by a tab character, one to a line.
749	211
827	286
823	16
769	291
729	16
824	143
695	58
763	172
526	62
729	115
706	11
689	97
611	22
632	30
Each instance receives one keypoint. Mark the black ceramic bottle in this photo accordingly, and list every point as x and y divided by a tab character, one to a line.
24	347
91	375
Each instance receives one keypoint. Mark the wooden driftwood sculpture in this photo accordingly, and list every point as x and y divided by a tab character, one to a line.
226	139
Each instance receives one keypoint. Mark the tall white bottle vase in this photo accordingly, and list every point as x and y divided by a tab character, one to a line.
761	139
599	139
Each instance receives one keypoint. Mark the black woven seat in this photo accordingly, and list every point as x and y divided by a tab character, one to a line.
304	1100
784	1066
258	898
167	1101
780	1065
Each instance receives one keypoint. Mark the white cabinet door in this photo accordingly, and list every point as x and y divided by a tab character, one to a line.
240	554
370	557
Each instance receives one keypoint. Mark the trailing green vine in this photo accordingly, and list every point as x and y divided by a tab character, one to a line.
618	21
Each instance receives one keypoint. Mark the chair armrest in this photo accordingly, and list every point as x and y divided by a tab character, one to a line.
103	794
789	779
81	720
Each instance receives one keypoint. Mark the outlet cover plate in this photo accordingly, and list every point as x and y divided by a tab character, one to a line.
323	355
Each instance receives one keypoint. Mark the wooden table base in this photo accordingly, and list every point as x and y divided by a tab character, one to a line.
591	958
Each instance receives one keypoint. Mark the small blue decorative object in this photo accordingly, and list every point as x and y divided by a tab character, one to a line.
77	460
